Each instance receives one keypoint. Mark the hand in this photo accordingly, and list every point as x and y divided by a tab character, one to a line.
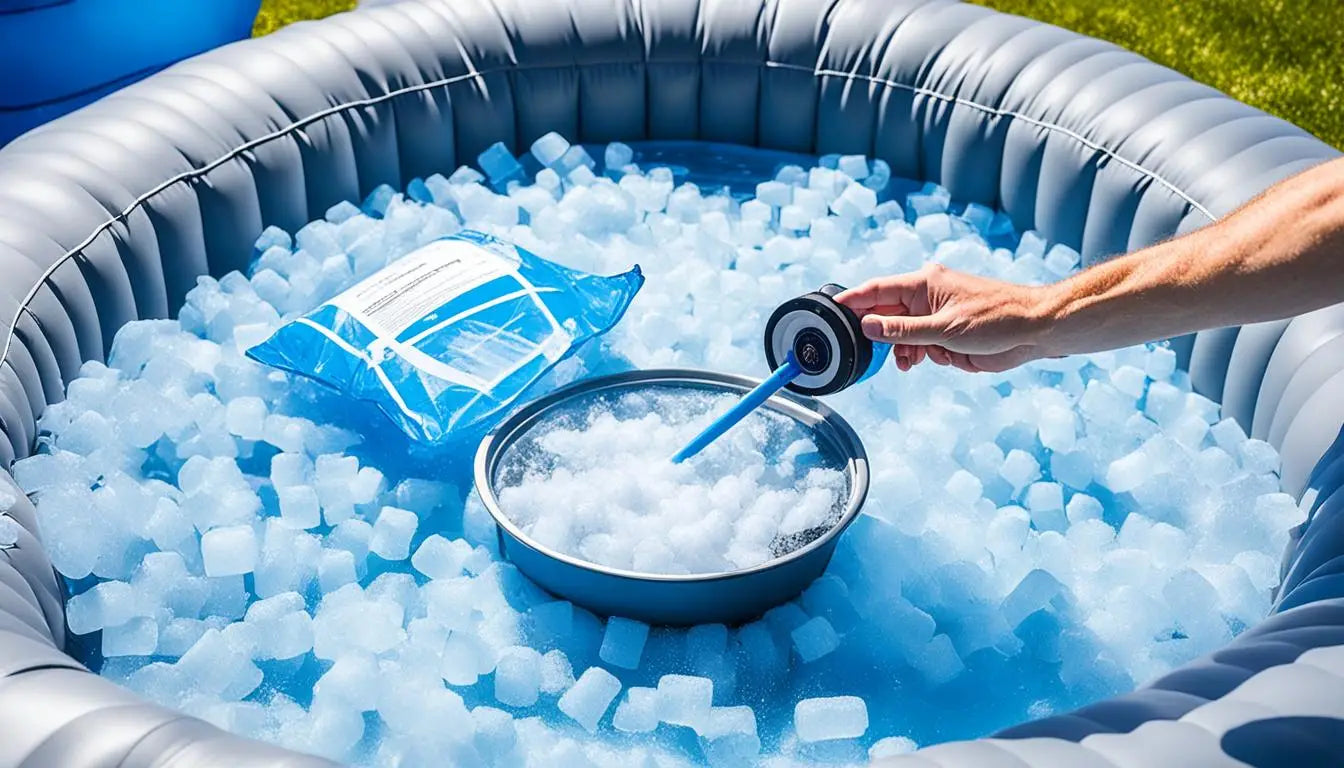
953	318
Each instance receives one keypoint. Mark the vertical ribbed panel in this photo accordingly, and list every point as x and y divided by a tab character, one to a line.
111	213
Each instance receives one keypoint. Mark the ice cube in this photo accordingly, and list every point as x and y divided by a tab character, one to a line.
1278	511
284	628
980	217
1073	468
366	485
1030	244
1020	469
549	149
589	698
856	202
557	674
299	506
1160	363
1201	407
378	200
1258	457
938	661
728	736
335	569
1082	507
439	558
684	699
496	734
925	205
1129	471
774	193
794	219
1033	593
853	166
290	469
352	535
229	551
879	175
637	712
1189	430
1045	501
270	237
425	496
1164	402
106	604
964	487
347	621
341	212
319	238
576	158
793	175
1229	436
829	596
891	746
246	417
1058	429
755	210
623	642
499	165
934	227
137	637
392	533
463	660
1262	569
618	155
812	203
834	717
518	676
1061	259
887	211
814	639
215	668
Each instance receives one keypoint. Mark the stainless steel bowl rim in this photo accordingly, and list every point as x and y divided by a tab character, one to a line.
810	411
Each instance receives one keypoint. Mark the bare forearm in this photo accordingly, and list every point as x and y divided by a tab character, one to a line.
1280	255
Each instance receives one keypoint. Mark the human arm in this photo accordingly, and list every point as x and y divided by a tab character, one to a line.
1279	255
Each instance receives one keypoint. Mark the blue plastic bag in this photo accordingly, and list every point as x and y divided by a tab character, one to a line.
448	336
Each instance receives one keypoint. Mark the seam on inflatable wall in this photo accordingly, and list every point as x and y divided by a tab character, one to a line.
338	109
997	112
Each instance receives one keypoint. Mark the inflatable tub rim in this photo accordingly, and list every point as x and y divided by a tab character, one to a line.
109	213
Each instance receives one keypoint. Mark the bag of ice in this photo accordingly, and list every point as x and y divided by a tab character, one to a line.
448	336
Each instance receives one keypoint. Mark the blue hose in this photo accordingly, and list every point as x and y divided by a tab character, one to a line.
749	402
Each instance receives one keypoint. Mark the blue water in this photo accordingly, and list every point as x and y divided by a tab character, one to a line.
749	402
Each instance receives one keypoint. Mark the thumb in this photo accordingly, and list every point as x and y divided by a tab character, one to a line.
904	329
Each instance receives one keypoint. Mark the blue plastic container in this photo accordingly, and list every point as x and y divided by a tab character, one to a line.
729	598
59	55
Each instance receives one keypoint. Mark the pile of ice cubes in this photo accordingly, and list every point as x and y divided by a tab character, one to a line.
262	554
595	480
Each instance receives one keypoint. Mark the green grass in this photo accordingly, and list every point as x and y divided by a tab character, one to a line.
1283	56
277	13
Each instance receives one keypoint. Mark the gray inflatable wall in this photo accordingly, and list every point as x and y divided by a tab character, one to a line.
108	215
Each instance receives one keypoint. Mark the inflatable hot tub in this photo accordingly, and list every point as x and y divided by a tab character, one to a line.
109	214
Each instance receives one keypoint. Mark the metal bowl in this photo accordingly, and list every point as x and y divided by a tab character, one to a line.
677	600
